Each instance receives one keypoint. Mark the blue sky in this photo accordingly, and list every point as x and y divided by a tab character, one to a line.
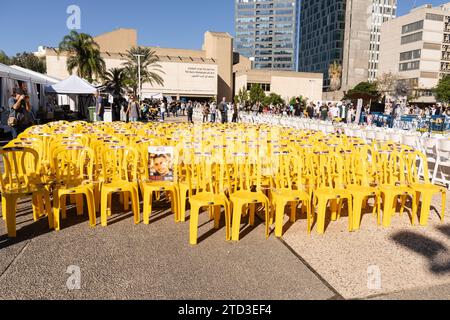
27	24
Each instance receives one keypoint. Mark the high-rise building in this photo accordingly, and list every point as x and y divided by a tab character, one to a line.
267	32
343	31
416	48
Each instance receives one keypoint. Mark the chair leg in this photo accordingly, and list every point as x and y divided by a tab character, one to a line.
79	204
11	216
126	201
48	209
279	219
388	209
228	221
193	225
251	217
148	198
321	215
135	203
350	214
35	206
427	197
357	212
444	199
403	204
3	208
334	209
294	206
104	208
109	206
182	214
236	222
90	200
57	203
63	204
217	214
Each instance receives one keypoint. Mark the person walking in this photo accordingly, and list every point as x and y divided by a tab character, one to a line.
133	110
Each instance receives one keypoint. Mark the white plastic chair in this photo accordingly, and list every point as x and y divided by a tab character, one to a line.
442	162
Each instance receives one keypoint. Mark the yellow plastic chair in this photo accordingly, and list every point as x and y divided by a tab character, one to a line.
20	178
73	167
329	187
424	189
119	176
249	192
392	184
210	194
290	167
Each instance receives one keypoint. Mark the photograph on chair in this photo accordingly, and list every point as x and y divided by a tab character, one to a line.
161	163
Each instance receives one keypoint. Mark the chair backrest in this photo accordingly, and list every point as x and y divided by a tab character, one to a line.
443	149
119	163
19	164
73	164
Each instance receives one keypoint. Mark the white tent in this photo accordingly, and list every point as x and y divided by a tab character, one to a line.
34	82
146	95
72	85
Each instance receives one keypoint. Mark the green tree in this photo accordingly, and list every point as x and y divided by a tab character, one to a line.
150	69
364	90
242	96
273	99
4	58
83	54
115	81
257	94
335	75
442	90
29	61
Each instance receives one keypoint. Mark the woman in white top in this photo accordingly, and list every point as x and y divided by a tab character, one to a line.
163	110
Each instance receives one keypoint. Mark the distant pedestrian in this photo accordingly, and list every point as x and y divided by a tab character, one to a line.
223	108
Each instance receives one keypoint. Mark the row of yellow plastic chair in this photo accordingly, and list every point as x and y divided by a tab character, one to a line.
237	167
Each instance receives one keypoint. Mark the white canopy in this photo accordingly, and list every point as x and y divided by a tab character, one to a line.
22	74
44	78
72	85
146	95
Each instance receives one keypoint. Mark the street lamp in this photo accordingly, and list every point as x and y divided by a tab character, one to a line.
139	73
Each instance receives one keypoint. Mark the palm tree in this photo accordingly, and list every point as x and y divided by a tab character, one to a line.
115	81
149	67
83	55
335	75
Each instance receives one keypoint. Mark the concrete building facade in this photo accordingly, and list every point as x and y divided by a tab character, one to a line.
287	84
416	47
345	31
267	32
213	72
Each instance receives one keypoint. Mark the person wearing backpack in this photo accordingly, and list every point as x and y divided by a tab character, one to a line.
19	113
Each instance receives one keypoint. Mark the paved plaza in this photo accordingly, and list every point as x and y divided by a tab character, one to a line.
127	261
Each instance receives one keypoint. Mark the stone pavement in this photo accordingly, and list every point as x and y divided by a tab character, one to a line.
127	261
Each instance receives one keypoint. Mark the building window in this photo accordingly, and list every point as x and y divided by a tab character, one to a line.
434	17
411	55
264	86
412	38
413	27
414	65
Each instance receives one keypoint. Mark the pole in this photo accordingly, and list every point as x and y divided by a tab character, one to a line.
139	74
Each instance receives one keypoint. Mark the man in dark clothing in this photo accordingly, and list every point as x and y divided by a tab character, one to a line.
190	112
223	108
310	110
